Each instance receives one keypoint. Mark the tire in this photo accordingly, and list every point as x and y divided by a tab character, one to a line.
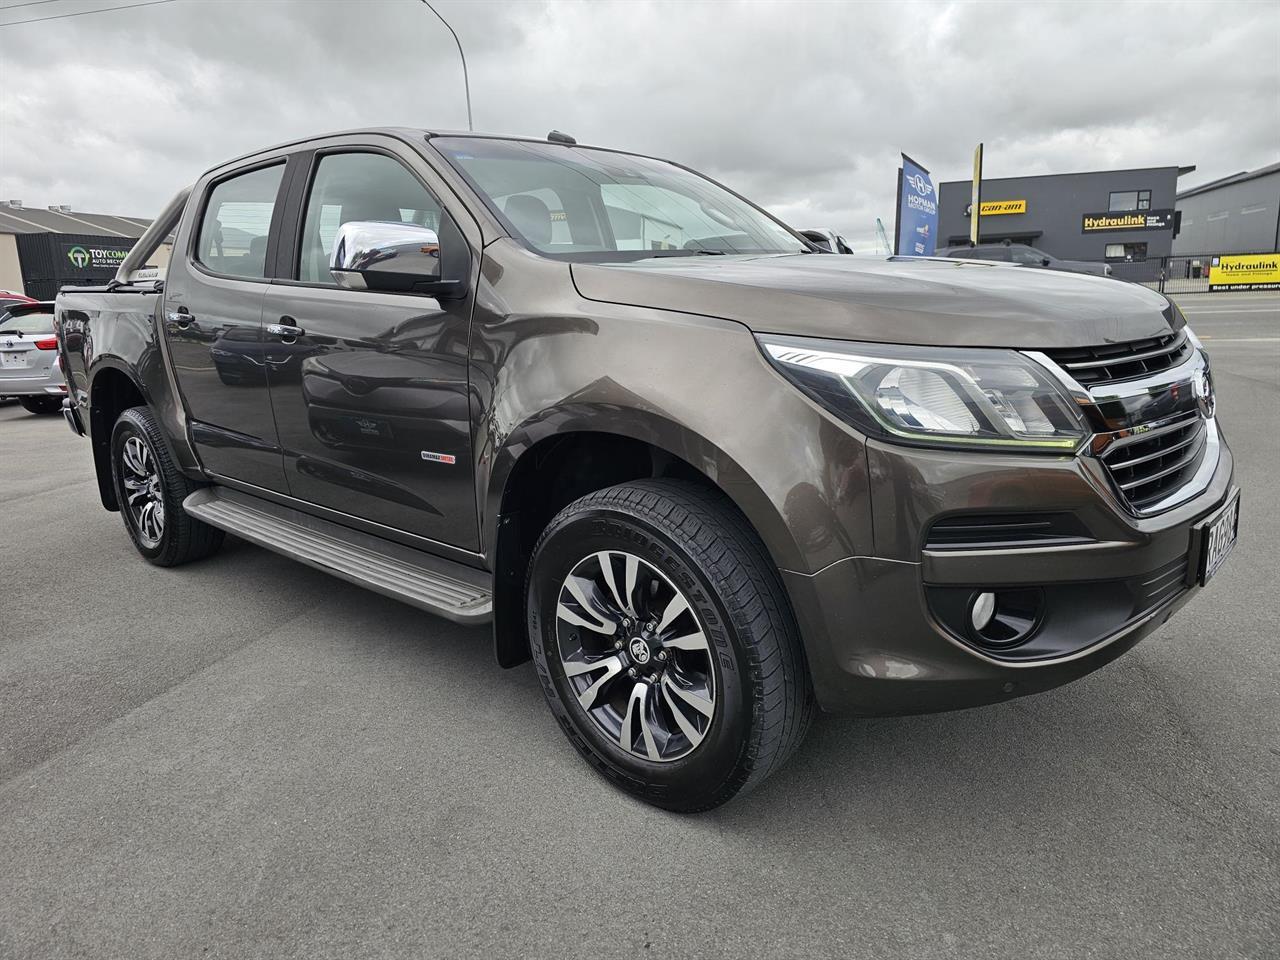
750	688
141	468
41	405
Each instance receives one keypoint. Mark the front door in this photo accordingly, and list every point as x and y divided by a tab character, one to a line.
213	326
370	389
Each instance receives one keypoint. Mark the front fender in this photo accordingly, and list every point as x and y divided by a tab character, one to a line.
609	414
695	387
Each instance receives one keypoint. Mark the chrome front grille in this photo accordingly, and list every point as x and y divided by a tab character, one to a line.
1112	362
1147	466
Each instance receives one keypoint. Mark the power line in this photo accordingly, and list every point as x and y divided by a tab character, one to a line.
466	83
29	3
63	16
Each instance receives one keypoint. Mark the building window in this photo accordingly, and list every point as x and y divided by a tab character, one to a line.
1130	200
1126	252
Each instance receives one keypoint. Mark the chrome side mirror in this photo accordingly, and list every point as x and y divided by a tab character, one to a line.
386	255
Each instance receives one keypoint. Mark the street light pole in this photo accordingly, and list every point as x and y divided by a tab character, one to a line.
466	83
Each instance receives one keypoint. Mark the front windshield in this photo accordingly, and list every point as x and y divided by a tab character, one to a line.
581	204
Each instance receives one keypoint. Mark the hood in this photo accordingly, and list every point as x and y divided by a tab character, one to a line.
908	300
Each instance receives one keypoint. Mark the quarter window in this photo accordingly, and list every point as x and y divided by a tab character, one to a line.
237	222
358	186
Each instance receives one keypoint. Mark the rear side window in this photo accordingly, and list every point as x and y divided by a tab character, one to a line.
990	253
1028	255
358	186
237	222
981	253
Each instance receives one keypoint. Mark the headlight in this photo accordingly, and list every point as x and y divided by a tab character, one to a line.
958	396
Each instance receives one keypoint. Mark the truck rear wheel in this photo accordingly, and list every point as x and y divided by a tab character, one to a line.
665	643
150	491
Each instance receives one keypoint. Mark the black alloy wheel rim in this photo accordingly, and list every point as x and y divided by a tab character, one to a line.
636	656
144	493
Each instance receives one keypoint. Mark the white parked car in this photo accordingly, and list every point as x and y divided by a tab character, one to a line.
29	365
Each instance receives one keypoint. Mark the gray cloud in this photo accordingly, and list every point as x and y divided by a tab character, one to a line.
802	106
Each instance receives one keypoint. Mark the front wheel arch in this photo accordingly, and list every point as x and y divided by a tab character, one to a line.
555	469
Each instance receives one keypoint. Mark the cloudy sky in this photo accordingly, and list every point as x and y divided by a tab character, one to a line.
803	106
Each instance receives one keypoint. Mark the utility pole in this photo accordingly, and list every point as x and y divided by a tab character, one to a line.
466	83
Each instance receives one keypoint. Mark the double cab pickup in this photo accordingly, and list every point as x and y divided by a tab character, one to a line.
708	476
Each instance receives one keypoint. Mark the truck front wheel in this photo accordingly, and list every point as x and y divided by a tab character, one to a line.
150	491
665	643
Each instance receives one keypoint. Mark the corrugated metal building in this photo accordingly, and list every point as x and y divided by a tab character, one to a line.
1236	214
43	249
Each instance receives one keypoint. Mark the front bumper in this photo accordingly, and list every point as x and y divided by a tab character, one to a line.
875	641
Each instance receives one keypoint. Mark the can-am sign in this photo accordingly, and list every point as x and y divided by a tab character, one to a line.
83	256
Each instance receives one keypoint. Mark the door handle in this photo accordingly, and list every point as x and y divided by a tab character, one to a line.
179	318
285	331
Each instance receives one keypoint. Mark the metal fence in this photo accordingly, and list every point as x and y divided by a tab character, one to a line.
1184	273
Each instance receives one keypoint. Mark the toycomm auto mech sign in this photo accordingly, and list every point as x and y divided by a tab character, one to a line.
82	256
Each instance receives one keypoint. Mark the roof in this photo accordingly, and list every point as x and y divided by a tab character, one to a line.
40	220
1240	177
1182	172
420	135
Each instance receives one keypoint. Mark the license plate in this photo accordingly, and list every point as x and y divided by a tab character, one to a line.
15	359
1217	537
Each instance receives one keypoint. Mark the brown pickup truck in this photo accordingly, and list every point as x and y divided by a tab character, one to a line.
705	474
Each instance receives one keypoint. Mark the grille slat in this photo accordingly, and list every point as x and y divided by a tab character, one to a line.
1113	362
1164	583
1146	468
1136	461
1163	472
992	531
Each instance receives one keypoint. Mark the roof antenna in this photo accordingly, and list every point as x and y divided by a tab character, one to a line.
555	136
466	83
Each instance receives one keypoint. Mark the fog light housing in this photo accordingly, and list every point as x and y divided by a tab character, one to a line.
981	610
1004	618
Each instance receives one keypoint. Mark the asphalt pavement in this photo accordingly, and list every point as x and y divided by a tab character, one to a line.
246	758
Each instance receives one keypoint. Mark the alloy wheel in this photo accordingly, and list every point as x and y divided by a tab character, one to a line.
636	656
144	493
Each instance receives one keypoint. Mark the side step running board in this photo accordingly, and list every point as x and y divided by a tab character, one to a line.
439	586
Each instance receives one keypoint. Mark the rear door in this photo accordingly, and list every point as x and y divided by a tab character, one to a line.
370	390
212	320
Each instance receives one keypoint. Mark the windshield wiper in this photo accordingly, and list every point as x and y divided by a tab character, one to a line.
658	254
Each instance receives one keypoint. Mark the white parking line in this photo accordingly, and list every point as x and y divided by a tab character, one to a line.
1275	309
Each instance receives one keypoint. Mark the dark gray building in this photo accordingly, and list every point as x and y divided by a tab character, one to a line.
1116	216
1236	214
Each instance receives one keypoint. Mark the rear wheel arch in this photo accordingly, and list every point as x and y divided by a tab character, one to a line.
111	392
556	469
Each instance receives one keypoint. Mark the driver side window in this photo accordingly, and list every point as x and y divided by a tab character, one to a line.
351	187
